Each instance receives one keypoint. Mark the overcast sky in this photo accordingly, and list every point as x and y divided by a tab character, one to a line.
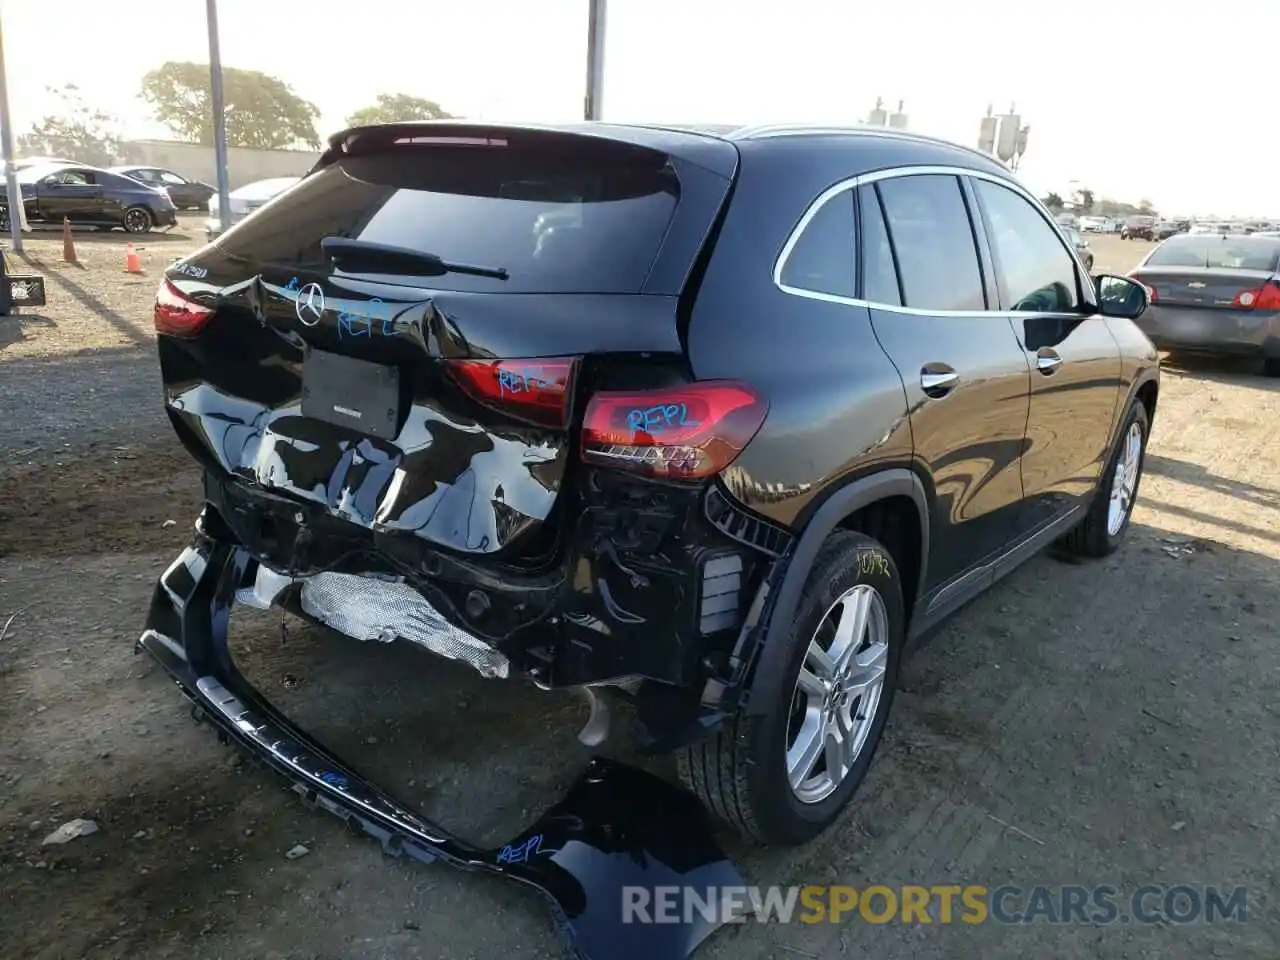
1170	100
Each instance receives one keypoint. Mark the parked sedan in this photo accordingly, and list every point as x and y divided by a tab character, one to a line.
244	201
1215	293
1082	246
185	194
90	196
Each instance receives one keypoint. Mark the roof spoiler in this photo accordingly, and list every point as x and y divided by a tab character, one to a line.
369	138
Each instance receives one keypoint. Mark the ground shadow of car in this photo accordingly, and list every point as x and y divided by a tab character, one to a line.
1237	371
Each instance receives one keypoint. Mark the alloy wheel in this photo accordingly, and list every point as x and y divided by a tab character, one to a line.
837	692
1125	482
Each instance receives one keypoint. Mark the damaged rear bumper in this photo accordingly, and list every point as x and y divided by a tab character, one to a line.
617	831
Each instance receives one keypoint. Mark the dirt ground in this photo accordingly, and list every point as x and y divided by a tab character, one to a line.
1102	723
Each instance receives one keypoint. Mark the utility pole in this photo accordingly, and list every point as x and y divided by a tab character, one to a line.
12	192
219	115
593	106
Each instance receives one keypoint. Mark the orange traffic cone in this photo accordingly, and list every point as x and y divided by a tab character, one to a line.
68	244
132	262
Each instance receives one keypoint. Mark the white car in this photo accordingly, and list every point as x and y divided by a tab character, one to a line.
244	201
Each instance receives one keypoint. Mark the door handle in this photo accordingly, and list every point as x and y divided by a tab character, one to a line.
1047	361
937	380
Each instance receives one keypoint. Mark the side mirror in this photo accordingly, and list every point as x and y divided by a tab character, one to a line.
1121	297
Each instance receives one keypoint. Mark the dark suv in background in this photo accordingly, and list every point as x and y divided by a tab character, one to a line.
1139	228
713	423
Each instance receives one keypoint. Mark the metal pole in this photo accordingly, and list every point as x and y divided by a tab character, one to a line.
219	116
594	104
6	147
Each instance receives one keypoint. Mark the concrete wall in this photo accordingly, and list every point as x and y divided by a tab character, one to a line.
197	162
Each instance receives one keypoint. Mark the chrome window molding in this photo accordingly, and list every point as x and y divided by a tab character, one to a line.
893	173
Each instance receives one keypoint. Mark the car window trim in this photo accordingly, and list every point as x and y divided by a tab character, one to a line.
892	173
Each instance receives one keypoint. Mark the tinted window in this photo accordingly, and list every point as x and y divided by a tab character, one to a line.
1036	271
560	217
879	278
822	259
933	238
1214	250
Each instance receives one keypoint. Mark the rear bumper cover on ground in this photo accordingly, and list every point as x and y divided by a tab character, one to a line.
617	828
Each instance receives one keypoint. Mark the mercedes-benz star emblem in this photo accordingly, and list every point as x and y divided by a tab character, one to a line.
310	304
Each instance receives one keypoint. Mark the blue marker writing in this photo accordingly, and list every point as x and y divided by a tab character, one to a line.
334	780
293	285
660	418
521	852
523	380
354	325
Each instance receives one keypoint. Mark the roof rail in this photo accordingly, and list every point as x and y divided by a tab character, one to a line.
861	129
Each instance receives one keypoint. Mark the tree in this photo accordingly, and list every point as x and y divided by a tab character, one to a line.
1146	206
1053	202
396	108
262	111
75	132
1084	199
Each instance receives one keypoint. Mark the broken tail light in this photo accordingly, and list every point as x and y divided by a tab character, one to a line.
538	390
177	315
1265	297
678	433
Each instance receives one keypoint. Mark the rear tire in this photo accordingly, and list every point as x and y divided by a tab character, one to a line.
741	773
1271	367
1103	528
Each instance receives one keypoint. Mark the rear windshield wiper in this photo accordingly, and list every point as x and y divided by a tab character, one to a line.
353	254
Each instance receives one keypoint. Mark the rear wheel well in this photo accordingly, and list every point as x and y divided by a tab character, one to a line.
1148	393
895	522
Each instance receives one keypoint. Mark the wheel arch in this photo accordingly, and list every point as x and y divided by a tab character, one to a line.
848	507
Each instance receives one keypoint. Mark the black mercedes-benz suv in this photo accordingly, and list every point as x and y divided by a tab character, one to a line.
713	422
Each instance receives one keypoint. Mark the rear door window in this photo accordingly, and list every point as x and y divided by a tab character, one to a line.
821	261
559	217
933	238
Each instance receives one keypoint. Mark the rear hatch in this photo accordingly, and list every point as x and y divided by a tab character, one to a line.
406	337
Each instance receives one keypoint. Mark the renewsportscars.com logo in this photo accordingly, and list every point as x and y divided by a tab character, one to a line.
941	903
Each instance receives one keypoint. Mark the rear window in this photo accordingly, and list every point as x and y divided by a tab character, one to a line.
1213	250
559	216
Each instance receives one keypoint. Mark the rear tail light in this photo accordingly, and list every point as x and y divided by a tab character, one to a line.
177	315
1151	291
678	433
1265	297
537	390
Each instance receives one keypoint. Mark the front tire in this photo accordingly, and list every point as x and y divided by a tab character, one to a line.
1271	367
1104	526
137	220
784	776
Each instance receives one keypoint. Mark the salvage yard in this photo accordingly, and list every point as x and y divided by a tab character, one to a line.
1101	723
